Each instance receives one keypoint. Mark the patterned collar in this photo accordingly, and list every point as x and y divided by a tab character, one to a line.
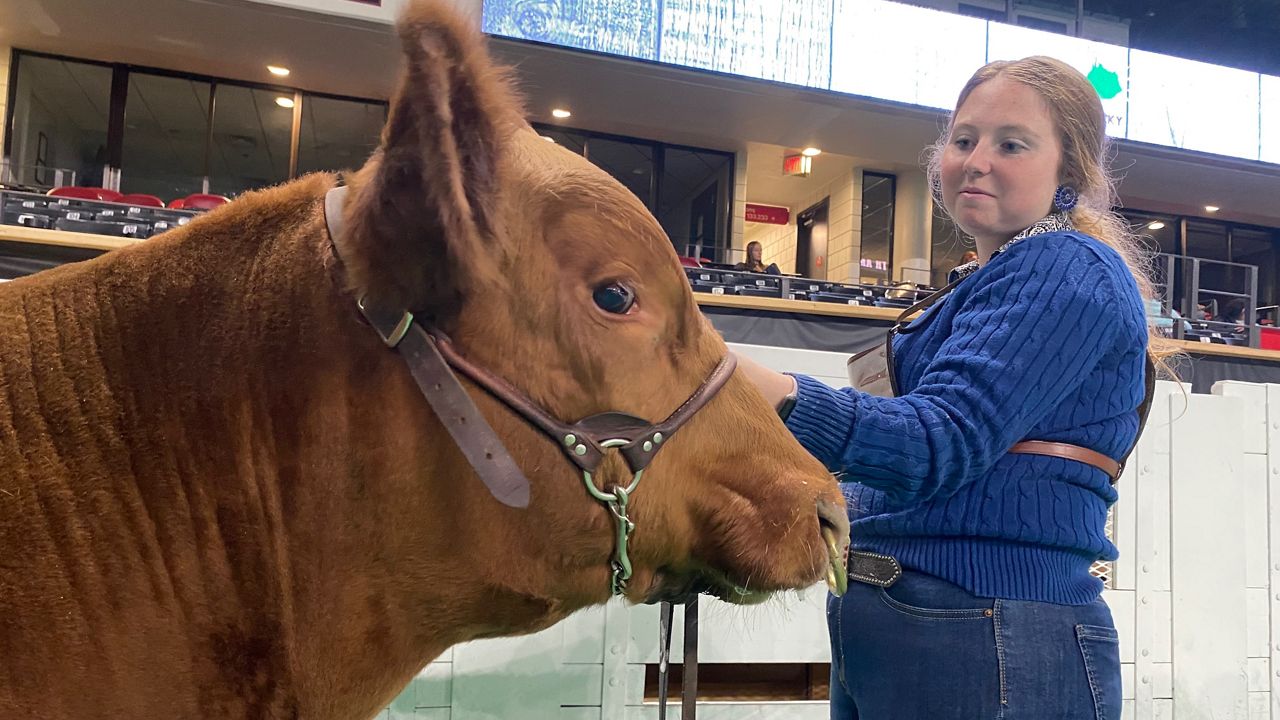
1055	222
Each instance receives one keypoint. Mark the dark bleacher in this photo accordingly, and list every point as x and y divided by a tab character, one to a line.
85	215
724	280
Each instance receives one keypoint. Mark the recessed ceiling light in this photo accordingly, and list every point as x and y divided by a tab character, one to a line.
278	70
1155	225
1211	208
560	113
811	152
284	102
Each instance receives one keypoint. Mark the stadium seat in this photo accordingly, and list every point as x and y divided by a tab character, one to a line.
200	201
85	193
141	199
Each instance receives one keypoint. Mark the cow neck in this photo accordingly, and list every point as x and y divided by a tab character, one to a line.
432	360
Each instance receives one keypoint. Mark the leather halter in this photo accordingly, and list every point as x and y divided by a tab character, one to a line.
432	360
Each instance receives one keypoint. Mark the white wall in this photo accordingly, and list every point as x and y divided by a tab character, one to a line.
1196	592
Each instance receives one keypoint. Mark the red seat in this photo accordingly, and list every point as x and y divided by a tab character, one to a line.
690	262
86	193
177	204
141	199
201	201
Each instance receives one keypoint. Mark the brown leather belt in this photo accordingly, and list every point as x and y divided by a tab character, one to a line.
1071	452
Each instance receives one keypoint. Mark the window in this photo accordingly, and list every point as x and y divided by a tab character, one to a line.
171	134
689	190
251	139
692	198
60	113
983	12
878	190
1035	23
338	134
949	243
166	130
630	163
1257	247
1158	233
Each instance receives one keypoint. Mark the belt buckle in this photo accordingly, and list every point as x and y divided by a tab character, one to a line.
873	568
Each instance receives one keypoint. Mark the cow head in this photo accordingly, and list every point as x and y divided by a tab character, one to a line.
550	274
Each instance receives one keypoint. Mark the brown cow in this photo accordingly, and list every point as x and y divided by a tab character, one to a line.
222	496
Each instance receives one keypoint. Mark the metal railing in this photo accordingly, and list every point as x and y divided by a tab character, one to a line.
1193	299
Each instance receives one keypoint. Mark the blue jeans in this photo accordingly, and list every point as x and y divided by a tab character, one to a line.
925	648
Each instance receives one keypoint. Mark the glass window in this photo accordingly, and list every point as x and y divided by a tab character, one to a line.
949	245
166	130
630	163
1257	247
577	142
338	134
687	189
877	226
692	196
1208	241
60	114
1158	234
251	136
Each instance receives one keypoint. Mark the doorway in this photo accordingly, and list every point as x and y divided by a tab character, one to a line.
811	241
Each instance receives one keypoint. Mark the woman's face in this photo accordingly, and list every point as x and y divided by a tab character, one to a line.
1001	164
754	252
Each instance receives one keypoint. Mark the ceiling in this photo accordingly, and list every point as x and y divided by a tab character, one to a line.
347	56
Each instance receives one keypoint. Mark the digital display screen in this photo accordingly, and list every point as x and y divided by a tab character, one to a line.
1269	121
900	52
782	40
620	27
1192	105
1106	66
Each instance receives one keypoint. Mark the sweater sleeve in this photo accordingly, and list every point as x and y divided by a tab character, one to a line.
1019	344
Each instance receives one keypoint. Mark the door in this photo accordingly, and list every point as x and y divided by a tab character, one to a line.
811	241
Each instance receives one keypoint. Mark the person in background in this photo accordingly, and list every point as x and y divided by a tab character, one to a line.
969	256
1233	313
754	262
970	593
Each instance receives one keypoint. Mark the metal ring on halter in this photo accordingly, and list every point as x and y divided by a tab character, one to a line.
617	502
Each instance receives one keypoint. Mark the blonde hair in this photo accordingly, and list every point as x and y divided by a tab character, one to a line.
1077	113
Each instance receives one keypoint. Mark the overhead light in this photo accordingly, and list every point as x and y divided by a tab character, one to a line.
278	70
284	102
811	152
560	113
1211	208
1155	225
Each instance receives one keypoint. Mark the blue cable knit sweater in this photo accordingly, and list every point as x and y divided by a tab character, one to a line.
1044	342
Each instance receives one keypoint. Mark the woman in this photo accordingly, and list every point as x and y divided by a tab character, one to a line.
994	612
754	262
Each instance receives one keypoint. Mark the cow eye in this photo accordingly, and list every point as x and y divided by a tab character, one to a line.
614	298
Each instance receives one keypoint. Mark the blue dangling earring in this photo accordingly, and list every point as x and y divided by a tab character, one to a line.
1064	198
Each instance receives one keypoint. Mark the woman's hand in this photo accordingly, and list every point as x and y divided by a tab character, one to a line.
774	385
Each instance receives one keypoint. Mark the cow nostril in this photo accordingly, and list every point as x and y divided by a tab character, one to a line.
832	515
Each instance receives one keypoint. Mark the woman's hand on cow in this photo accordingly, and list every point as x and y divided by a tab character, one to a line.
775	386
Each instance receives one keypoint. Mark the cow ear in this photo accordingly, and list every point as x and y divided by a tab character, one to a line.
421	213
